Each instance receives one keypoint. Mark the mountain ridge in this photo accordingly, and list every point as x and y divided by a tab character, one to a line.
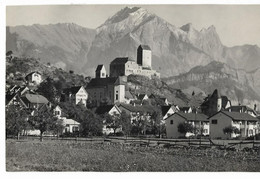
174	50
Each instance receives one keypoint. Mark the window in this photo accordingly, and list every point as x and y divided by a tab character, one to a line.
205	131
75	128
103	74
250	131
116	96
57	112
214	121
171	122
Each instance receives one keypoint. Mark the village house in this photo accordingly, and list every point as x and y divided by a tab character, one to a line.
14	93
198	120
129	97
185	109
33	78
142	97
76	94
111	110
243	109
244	122
124	66
109	90
137	112
70	125
167	111
33	101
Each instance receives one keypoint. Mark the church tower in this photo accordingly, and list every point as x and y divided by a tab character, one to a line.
144	56
101	71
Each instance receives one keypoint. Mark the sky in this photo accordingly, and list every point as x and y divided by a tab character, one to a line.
235	24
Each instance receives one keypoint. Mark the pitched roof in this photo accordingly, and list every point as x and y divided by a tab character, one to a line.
101	82
35	98
238	116
192	116
72	90
165	109
104	109
183	109
141	96
238	108
33	73
121	60
99	67
138	108
70	121
128	95
145	47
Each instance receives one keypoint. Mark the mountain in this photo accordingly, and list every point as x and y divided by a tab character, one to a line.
238	85
175	50
64	45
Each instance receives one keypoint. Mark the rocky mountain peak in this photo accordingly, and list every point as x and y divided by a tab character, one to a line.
188	27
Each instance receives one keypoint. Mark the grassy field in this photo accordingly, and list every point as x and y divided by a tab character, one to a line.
83	156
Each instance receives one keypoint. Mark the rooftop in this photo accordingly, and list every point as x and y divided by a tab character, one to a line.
145	47
121	60
192	116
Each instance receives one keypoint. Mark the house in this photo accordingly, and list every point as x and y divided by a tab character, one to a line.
33	78
167	111
14	93
124	66
108	109
198	120
243	109
129	97
111	110
142	97
70	126
33	101
137	111
109	90
244	122
101	71
57	111
76	94
185	109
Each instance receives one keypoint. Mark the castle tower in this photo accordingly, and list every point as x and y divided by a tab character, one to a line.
101	71
144	56
219	103
216	98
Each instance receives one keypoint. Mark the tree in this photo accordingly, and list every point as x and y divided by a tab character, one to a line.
113	121
125	121
44	121
48	89
185	127
16	120
91	124
231	130
156	122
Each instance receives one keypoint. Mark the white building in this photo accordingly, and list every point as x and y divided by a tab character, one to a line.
76	94
34	78
245	123
197	120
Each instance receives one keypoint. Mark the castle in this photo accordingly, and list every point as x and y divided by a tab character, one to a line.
124	66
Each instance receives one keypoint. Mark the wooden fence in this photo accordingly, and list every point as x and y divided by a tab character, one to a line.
158	142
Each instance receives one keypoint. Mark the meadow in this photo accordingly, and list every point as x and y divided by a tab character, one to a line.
84	156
